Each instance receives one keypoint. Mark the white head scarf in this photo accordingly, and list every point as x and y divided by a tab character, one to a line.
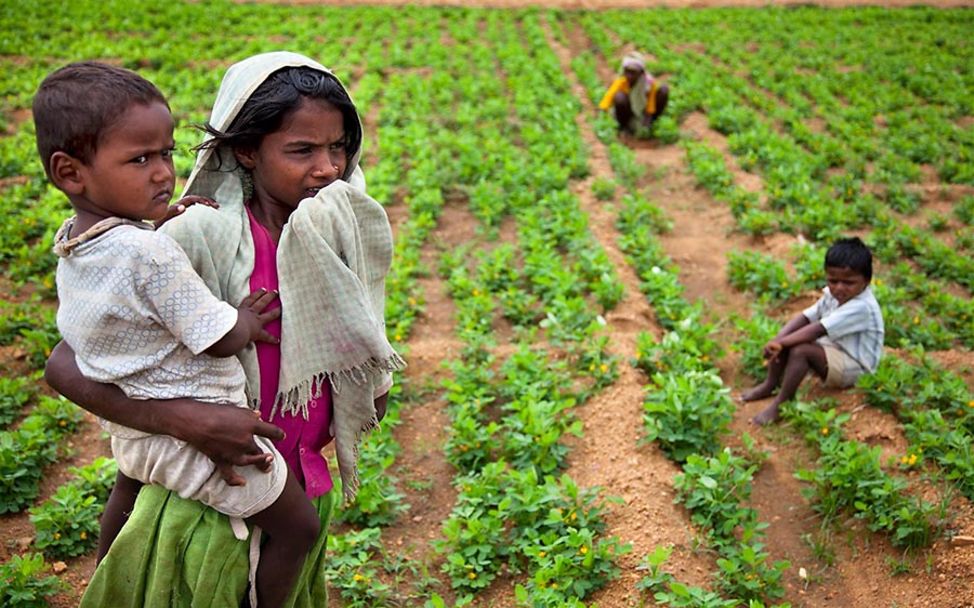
210	176
332	260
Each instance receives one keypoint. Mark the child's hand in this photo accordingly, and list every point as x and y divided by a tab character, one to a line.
772	349
184	203
252	309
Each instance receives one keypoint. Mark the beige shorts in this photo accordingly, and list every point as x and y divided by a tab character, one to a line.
843	369
175	465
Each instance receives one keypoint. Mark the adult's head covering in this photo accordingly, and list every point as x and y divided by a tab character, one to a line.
633	61
213	175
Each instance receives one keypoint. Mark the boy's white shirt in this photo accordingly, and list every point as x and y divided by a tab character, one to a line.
333	256
855	327
138	316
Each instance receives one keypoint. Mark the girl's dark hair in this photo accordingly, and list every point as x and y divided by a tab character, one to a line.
278	96
851	253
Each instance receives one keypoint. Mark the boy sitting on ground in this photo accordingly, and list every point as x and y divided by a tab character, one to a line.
839	338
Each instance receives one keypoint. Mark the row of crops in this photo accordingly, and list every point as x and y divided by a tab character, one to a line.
847	116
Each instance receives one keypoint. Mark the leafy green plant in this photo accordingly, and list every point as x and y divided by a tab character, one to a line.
14	395
603	189
687	414
24	584
67	523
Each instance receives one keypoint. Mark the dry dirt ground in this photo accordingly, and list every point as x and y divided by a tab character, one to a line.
610	454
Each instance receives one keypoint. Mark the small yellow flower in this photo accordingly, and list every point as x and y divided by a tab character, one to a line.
903	459
574	516
591	367
358	578
825	430
542	553
554	585
57	536
603	368
398	338
412	301
83	535
62	423
913	459
916	320
476	292
705	358
879	282
583	550
472	575
970	403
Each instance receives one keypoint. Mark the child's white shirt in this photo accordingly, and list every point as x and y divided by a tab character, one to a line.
855	327
138	316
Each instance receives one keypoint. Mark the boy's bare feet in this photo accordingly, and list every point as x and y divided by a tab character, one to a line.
761	391
767	415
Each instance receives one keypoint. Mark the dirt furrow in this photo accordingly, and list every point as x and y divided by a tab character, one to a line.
611	454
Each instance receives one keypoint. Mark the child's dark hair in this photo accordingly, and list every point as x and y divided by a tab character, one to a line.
851	253
77	103
275	98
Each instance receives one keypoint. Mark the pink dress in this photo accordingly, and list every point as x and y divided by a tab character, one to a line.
305	439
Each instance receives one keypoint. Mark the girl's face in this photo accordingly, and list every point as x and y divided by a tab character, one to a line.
306	154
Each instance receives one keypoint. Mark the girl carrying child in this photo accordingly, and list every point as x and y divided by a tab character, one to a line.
281	159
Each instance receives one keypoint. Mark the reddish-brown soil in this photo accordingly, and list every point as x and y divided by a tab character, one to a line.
610	454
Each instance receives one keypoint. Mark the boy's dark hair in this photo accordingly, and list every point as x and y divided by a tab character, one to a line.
280	95
850	253
77	103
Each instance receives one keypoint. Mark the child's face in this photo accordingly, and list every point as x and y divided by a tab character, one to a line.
131	174
306	154
844	283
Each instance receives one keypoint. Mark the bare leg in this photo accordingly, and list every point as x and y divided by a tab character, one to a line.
764	390
623	111
662	98
292	526
117	510
801	359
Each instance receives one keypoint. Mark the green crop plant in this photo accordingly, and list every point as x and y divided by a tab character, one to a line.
25	582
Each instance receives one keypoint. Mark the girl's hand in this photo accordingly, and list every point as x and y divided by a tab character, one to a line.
184	203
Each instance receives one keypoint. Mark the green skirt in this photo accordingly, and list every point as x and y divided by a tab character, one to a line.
177	553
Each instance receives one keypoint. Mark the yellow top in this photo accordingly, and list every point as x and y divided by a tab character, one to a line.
620	84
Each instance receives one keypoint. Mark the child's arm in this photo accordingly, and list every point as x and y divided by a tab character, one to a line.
224	434
184	203
251	319
796	331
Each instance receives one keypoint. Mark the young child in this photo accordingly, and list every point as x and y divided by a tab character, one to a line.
635	97
839	338
137	315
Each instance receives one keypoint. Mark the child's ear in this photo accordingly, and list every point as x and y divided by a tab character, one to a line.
246	157
66	173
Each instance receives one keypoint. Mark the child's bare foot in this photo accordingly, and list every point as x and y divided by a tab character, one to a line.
761	391
766	416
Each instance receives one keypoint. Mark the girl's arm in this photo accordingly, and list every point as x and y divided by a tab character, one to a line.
381	402
224	434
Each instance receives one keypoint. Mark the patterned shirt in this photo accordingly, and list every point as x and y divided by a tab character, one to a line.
137	315
855	327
